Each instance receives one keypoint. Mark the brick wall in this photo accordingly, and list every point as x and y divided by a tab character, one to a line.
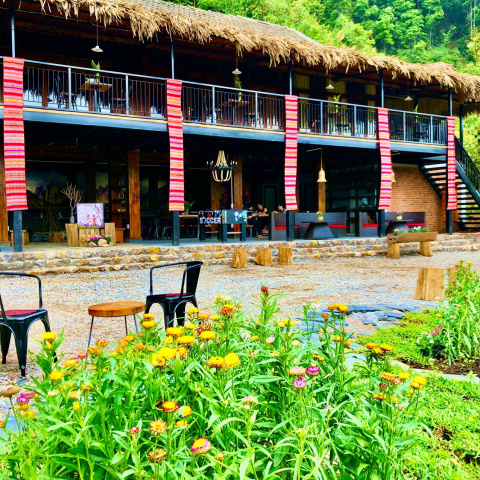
413	193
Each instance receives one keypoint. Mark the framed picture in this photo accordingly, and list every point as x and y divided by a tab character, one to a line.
91	215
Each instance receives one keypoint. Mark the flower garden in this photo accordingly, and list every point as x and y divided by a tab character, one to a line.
233	395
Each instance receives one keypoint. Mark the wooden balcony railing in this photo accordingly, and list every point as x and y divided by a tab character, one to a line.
60	87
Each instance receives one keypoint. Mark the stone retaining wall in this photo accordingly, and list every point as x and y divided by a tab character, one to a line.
128	256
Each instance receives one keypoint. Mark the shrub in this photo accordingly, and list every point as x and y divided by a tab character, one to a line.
225	396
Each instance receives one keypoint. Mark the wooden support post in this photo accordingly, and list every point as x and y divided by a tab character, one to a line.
109	231
134	194
430	284
426	249
3	203
238	184
215	188
393	251
239	258
285	256
264	257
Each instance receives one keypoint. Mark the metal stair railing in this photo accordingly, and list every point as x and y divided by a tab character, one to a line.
468	166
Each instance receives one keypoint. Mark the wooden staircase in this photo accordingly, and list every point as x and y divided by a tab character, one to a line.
468	186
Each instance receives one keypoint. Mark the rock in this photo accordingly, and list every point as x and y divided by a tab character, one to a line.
91	244
102	243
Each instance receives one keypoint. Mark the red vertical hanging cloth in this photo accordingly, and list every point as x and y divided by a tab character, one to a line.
175	133
291	151
385	197
14	135
451	165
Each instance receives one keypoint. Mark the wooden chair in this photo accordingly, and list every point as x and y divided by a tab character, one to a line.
19	322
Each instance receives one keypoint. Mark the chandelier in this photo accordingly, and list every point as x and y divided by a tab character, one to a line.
222	169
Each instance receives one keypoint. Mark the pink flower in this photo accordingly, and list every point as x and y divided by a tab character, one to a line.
328	407
300	383
22	400
431	341
199	446
134	431
313	371
27	394
383	386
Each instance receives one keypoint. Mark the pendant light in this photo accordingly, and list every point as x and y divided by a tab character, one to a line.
408	98
236	71
222	169
321	173
329	86
96	48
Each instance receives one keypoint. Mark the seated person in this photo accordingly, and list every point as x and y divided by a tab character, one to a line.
264	221
280	209
252	219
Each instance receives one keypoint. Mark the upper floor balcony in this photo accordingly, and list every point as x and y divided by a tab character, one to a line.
61	88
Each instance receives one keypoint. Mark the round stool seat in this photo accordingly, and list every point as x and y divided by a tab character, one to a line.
116	309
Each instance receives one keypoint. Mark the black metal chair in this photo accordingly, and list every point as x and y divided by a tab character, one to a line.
19	322
173	304
62	96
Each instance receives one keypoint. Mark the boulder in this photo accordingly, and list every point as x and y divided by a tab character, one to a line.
102	243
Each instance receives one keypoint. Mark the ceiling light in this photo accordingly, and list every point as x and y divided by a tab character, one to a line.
97	49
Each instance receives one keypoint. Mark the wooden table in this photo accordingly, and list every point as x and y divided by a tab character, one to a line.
95	88
115	309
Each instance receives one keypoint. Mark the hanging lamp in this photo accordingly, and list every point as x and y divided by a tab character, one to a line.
321	173
236	71
408	98
96	48
221	170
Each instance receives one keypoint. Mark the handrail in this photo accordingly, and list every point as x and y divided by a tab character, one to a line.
416	113
468	165
239	90
337	103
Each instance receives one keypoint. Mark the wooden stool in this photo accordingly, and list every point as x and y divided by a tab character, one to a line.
239	258
25	237
430	284
285	256
264	257
115	309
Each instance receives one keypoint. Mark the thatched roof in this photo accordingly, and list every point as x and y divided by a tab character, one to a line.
149	17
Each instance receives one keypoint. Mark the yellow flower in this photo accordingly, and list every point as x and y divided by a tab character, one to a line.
255	337
232	360
168	340
53	393
182	423
148	316
203	317
55	376
275	354
181	352
86	387
186	340
187	411
216	362
420	380
208	335
394	399
371	346
318	358
157	456
282	323
140	346
130	338
74	394
2	424
148	324
48	346
214	317
438	315
157	360
30	414
49	336
175	332
190	326
192	311
158	427
170	406
403	376
379	396
385	347
378	351
70	364
167	352
75	406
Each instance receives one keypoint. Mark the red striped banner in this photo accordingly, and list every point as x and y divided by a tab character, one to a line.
175	133
14	135
385	160
291	149
451	166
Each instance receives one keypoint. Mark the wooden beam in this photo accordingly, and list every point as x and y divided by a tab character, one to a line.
134	194
3	203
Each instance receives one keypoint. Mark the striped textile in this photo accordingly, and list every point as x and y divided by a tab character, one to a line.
385	160
14	136
291	147
451	166
175	134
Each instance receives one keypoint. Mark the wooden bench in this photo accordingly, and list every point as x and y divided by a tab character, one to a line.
25	237
394	241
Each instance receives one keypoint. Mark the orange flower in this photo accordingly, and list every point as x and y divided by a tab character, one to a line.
170	406
102	343
158	427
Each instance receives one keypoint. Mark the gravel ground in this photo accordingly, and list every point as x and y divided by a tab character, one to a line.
365	281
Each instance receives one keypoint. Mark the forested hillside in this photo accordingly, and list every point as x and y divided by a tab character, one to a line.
420	31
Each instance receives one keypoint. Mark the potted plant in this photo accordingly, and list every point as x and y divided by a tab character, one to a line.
399	217
188	206
75	196
319	216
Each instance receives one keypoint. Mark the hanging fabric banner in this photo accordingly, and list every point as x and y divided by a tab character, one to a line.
175	133
451	166
291	149
14	135
385	160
